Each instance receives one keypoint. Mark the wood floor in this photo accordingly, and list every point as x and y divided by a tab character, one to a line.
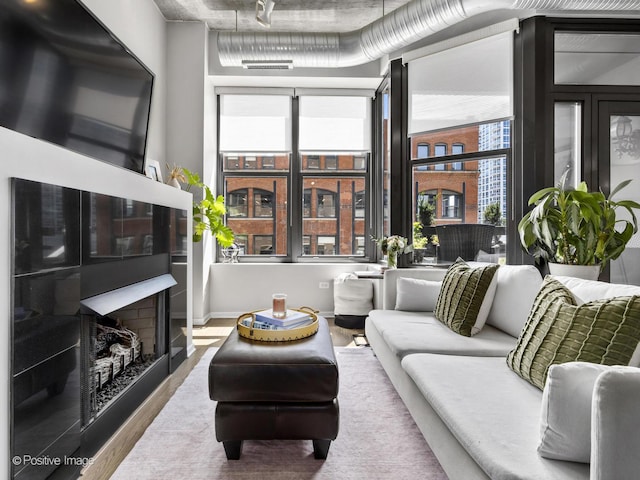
212	334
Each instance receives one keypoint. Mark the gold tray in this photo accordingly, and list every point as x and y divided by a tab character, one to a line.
278	335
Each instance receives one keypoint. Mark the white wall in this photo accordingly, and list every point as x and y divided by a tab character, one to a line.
243	287
141	27
187	134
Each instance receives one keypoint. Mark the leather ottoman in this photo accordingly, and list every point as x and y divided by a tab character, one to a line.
275	390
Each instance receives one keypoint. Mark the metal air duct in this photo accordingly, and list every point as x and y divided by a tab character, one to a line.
404	26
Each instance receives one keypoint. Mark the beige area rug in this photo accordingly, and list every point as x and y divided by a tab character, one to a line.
377	439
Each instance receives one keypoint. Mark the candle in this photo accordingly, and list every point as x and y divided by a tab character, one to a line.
279	305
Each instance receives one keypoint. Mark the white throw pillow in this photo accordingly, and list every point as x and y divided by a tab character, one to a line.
517	288
415	295
565	426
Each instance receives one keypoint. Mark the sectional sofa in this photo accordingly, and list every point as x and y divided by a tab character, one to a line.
481	419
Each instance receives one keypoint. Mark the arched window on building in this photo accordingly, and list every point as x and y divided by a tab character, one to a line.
326	204
457	149
423	150
306	203
237	205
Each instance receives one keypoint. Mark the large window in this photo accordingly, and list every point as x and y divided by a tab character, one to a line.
468	125
329	171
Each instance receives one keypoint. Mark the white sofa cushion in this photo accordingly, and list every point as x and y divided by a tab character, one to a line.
589	290
517	288
416	295
419	332
494	414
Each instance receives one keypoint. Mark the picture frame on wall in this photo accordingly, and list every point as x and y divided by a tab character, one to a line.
153	171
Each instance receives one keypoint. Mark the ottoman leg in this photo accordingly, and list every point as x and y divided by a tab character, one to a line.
321	449
233	449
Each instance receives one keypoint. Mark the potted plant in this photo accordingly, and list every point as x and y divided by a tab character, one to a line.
175	176
392	246
577	227
208	213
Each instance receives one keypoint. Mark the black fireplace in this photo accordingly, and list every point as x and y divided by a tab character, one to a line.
92	332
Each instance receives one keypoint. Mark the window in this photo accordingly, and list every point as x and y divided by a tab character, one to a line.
331	171
312	162
262	203
250	162
326	204
237	205
451	202
263	244
233	163
596	58
334	203
423	150
326	245
359	204
359	162
463	119
306	203
268	162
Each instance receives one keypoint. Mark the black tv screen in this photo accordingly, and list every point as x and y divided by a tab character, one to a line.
66	79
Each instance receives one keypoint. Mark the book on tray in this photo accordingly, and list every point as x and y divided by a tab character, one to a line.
269	326
293	319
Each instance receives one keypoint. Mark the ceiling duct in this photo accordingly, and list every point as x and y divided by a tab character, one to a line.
406	25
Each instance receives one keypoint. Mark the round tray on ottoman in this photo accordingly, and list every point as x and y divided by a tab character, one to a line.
280	335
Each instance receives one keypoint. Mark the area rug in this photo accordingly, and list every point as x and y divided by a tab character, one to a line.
377	439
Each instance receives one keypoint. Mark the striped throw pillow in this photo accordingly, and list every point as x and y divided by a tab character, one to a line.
465	297
557	331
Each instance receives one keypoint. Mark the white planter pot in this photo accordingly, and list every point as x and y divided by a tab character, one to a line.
586	272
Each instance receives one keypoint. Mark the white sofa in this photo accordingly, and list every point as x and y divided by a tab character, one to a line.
481	419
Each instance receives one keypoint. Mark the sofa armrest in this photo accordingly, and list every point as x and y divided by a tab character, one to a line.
391	277
615	425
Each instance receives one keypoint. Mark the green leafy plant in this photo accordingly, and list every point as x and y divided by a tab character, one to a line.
577	227
208	213
419	241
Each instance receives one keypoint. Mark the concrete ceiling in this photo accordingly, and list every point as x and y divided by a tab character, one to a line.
288	15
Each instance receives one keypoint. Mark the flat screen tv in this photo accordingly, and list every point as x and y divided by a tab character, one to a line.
65	79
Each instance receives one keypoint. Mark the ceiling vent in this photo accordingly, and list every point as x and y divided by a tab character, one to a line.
267	64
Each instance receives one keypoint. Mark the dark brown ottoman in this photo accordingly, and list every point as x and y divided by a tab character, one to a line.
275	390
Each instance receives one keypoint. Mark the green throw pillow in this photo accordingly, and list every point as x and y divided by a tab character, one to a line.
558	331
465	297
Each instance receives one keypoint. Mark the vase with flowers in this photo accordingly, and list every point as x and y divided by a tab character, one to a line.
393	246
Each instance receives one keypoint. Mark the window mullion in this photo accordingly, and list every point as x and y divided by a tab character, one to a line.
295	187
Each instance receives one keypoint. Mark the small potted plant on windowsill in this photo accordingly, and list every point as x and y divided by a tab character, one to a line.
208	213
577	228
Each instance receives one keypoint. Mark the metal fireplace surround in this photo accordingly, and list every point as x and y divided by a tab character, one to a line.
79	256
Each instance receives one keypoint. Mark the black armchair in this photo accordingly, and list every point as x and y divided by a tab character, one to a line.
464	240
